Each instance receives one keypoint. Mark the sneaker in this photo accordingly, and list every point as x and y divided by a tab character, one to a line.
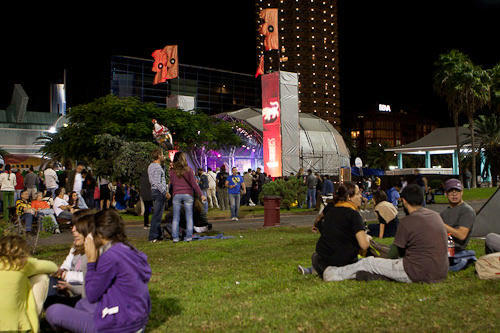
57	231
236	219
367	276
233	218
303	270
154	241
188	239
146	227
175	240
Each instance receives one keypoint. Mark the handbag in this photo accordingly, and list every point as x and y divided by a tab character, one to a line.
97	193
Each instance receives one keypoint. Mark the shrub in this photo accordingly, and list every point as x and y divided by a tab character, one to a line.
290	191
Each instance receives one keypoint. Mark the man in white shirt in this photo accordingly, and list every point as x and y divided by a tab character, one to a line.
211	192
51	180
62	209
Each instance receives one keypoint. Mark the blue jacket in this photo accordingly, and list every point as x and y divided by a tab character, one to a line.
327	187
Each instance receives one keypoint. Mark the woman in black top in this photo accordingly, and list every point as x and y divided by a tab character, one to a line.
342	231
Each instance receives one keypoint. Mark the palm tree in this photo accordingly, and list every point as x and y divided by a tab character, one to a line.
445	81
487	131
466	88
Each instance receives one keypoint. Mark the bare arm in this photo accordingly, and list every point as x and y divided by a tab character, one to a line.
363	240
381	230
459	233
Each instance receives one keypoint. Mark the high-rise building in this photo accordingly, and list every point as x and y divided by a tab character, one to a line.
308	36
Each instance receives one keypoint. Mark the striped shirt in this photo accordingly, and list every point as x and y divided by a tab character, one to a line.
156	177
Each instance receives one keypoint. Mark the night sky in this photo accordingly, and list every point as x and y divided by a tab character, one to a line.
387	48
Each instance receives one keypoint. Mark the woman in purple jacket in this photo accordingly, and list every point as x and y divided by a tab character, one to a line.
183	182
116	283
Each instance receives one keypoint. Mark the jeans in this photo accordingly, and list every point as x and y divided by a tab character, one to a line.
205	203
223	198
178	200
148	204
234	204
391	268
47	212
311	197
65	214
53	191
28	221
158	207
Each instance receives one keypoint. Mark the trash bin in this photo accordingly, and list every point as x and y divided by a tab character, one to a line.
272	211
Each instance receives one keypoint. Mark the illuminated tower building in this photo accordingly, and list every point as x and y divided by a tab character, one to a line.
308	36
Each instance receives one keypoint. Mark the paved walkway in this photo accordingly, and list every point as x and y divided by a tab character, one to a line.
135	229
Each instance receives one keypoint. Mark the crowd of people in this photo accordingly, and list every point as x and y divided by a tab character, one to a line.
102	286
346	248
58	192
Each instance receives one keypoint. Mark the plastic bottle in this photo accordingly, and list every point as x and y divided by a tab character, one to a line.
451	246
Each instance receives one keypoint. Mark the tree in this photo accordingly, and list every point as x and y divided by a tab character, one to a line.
487	131
466	88
130	119
377	157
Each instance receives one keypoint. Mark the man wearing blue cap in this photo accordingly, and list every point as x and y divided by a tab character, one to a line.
459	216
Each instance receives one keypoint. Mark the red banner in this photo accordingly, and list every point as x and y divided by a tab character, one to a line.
271	120
270	28
165	65
260	69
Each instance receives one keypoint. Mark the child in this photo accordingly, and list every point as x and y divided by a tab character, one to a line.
23	285
42	209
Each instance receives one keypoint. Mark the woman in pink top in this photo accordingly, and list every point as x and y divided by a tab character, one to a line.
183	182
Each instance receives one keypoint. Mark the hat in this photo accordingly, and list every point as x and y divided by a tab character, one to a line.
451	184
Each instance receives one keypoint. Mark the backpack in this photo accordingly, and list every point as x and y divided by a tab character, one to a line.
221	179
203	182
488	266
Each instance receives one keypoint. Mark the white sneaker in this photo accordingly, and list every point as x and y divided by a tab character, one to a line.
236	219
233	218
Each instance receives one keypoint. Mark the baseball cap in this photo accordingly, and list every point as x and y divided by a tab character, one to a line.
453	183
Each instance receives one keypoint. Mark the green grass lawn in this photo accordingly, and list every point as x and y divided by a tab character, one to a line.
472	194
250	283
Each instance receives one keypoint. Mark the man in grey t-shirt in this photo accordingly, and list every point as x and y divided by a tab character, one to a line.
459	216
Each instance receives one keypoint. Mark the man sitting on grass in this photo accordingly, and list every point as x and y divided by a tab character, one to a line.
62	209
421	241
459	216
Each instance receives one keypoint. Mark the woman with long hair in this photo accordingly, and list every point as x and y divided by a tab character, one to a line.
342	231
23	285
183	182
73	199
116	283
387	217
69	280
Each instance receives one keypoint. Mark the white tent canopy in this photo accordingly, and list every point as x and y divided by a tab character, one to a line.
322	148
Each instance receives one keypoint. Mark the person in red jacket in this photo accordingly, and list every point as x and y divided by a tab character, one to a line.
19	184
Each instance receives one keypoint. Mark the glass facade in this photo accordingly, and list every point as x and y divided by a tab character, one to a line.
214	90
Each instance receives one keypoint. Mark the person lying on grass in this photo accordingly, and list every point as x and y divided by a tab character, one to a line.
419	252
342	232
